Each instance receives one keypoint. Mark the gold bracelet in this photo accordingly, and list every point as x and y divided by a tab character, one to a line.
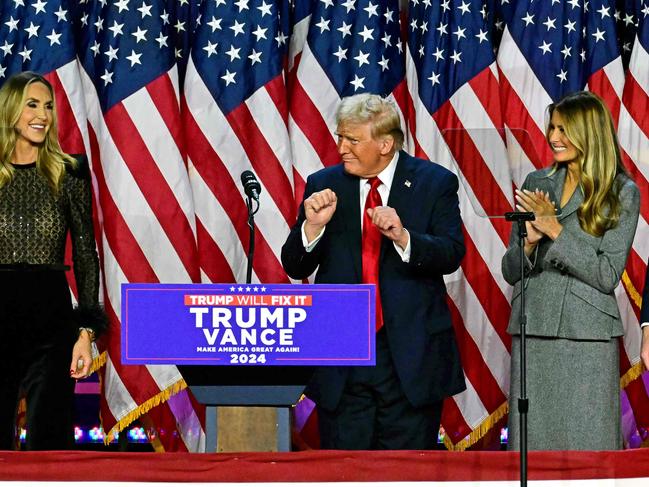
89	331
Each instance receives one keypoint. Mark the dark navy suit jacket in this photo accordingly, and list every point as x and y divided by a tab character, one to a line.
644	312
413	295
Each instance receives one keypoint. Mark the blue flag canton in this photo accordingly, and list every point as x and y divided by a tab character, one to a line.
126	44
627	14
643	25
301	9
35	35
189	14
358	44
240	46
449	43
564	42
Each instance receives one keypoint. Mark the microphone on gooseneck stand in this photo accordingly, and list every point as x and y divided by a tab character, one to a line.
251	186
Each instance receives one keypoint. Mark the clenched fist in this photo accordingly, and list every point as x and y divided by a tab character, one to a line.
318	209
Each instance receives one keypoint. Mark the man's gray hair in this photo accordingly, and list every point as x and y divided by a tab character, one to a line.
380	112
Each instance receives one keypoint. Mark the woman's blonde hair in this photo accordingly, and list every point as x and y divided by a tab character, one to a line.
588	125
51	160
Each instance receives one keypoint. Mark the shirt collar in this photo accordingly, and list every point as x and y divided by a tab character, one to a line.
387	175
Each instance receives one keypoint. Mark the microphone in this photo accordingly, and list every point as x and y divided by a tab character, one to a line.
251	186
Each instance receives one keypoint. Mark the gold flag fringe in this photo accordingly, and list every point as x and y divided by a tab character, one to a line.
636	371
478	432
145	407
632	374
98	362
157	445
630	288
154	440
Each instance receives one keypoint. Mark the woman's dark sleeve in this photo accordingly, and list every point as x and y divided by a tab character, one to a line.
84	253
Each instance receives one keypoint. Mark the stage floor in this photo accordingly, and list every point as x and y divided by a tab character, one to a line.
571	469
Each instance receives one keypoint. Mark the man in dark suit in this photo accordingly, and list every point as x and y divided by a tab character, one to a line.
411	206
644	322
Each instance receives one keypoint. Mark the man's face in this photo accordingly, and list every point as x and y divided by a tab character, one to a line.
363	155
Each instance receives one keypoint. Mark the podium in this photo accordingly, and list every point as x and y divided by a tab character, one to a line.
266	393
251	346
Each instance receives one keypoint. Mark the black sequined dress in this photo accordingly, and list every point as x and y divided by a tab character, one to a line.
38	326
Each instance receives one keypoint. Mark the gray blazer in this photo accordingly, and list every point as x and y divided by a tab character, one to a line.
570	282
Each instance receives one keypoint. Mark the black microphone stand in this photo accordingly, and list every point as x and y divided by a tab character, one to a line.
520	217
251	243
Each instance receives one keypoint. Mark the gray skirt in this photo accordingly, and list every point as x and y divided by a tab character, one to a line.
573	388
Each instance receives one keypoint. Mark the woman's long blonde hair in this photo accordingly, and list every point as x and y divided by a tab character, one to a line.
51	160
588	125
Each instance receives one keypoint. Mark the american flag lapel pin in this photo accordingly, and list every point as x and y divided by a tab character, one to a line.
407	183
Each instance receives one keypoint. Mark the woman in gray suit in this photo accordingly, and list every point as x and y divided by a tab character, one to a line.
574	260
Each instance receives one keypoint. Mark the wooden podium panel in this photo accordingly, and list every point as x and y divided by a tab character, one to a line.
247	408
241	429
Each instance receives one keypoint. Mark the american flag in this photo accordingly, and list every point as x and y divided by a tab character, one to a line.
338	49
173	99
633	132
129	79
235	113
456	120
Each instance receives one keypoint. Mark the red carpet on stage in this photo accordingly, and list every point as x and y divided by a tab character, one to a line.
322	466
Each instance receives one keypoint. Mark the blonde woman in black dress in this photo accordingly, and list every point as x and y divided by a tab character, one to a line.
44	195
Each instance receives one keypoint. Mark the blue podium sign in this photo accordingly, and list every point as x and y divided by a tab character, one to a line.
254	324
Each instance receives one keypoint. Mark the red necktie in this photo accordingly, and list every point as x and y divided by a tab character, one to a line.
371	246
